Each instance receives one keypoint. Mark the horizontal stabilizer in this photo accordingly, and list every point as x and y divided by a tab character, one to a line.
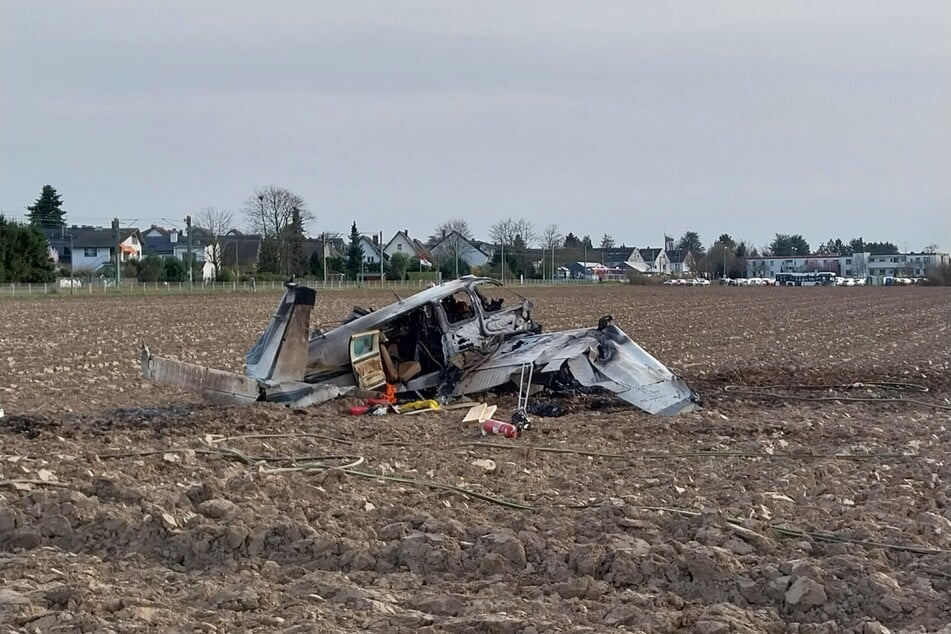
217	386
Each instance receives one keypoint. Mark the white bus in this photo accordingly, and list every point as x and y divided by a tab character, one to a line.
813	278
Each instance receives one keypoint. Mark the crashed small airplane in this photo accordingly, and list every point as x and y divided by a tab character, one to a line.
453	339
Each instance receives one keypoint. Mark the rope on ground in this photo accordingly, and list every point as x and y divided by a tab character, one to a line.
818	536
692	454
764	393
219	439
349	469
433	484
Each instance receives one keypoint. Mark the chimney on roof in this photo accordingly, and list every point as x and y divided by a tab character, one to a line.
376	239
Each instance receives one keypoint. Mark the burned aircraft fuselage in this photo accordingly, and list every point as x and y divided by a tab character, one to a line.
436	327
458	338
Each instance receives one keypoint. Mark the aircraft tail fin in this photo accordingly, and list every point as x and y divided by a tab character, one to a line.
280	353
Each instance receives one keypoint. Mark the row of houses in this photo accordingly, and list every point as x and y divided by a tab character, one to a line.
88	249
856	265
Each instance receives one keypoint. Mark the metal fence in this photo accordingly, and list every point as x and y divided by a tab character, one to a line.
134	287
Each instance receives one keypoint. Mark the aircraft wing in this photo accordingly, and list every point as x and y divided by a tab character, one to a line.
606	358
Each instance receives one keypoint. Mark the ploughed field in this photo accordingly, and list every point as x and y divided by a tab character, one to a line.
127	506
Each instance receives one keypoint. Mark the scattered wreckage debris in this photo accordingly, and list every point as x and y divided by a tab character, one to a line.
449	341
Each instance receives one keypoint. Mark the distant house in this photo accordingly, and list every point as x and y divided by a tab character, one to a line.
905	264
240	252
372	252
614	256
656	260
59	240
401	242
160	241
454	243
94	246
592	271
767	266
682	262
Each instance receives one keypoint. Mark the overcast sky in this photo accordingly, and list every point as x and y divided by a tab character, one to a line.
829	118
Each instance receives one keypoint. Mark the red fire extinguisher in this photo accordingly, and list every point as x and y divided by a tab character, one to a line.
499	428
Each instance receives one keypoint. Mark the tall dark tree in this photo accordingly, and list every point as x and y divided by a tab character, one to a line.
607	242
727	240
396	270
834	246
47	211
785	244
354	253
586	242
572	241
857	245
690	241
881	248
24	254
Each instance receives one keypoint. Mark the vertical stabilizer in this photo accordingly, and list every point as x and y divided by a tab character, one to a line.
280	353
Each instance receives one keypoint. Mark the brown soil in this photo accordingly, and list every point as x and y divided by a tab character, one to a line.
119	512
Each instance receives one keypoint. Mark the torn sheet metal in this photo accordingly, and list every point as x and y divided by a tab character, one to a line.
606	358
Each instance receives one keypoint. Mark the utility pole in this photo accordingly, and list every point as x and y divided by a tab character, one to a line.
324	246
115	235
381	259
72	264
188	228
502	260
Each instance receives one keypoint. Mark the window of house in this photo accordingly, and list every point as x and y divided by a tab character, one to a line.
90	252
848	260
399	247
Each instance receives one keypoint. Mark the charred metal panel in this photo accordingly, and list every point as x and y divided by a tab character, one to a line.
216	385
280	354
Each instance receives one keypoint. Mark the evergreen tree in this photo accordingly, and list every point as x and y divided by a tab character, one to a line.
399	263
881	248
785	244
354	253
690	241
24	254
47	211
572	241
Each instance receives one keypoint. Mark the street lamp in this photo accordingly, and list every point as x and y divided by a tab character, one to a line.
188	236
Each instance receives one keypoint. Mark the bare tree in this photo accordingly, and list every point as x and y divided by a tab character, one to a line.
271	211
452	237
445	228
216	222
506	231
551	237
